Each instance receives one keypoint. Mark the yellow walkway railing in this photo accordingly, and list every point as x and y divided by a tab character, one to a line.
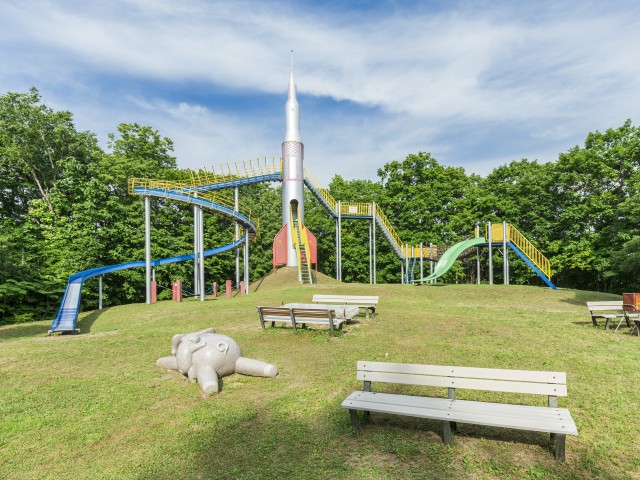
525	246
300	240
221	197
262	167
323	192
237	170
355	209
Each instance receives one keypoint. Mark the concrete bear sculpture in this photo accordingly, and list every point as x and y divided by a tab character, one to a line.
205	356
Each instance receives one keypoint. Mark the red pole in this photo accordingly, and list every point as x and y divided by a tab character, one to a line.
227	288
154	291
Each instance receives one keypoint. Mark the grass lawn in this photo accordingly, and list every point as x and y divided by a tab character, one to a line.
94	406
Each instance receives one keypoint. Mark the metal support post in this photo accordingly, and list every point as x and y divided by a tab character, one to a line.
505	254
237	238
370	257
490	239
100	292
196	277
201	247
374	242
339	236
147	246
246	265
421	262
478	264
430	258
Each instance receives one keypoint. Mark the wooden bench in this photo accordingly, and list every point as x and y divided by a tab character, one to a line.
300	316
367	302
548	419
611	310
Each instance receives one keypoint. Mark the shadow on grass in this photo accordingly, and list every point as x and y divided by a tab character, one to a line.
582	297
87	322
274	439
24	330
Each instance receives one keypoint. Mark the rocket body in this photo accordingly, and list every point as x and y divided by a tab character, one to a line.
292	166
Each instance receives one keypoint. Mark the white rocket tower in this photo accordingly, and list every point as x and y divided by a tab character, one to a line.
292	168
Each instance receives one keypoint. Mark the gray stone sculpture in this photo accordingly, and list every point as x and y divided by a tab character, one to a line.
204	356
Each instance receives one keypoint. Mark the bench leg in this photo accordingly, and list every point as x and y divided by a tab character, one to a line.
593	319
355	423
606	324
446	433
560	447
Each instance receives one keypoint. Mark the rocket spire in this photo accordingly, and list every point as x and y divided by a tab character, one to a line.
292	112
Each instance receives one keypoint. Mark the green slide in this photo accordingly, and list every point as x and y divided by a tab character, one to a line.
450	256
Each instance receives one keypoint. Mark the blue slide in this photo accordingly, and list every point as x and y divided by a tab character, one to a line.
65	320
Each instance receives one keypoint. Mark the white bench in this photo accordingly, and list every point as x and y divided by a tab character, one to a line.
611	310
367	302
549	419
300	316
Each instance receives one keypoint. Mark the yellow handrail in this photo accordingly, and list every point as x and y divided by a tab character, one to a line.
304	241
221	197
387	225
323	192
237	170
523	244
529	250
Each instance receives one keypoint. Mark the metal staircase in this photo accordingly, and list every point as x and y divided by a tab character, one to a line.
522	246
301	243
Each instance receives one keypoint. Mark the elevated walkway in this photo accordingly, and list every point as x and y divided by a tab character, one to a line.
265	170
184	192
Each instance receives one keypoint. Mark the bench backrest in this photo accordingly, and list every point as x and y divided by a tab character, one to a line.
296	312
604	305
313	313
275	311
513	381
353	299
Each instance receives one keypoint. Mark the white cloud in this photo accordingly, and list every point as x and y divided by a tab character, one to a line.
454	82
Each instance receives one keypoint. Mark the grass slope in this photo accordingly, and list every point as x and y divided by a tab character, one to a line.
95	406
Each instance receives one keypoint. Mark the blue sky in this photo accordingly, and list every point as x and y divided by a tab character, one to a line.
475	83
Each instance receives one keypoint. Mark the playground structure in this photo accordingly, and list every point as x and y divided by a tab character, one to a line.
496	235
294	245
203	189
67	315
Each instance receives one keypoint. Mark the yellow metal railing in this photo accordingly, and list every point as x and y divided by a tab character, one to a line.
387	225
427	252
323	192
356	209
525	246
236	170
304	240
221	197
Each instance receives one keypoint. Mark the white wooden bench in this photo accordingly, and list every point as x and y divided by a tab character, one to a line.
369	302
611	310
549	419
300	316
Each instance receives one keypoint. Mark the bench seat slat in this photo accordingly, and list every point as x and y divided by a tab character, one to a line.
303	319
466	372
486	408
559	421
466	383
353	298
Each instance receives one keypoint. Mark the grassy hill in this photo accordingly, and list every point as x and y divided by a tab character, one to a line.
95	406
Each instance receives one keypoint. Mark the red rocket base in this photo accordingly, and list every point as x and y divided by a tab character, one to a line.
280	247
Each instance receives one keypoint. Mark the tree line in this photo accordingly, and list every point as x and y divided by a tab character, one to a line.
65	207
